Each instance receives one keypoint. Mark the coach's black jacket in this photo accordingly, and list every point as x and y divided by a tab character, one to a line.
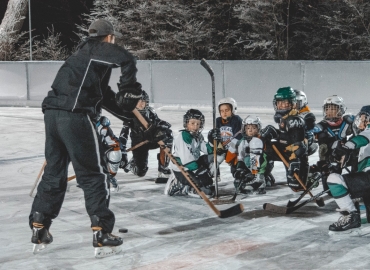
81	84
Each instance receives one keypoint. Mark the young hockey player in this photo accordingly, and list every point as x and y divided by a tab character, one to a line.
334	127
230	129
309	119
138	165
252	161
111	148
79	92
187	148
290	139
350	186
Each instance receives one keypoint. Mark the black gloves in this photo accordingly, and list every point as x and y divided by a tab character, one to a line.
340	150
269	132
156	133
123	162
128	96
214	134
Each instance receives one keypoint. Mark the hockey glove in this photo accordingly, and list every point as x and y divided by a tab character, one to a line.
124	161
269	133
240	173
341	153
214	134
128	97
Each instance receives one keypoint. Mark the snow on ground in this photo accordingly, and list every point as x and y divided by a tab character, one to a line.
164	232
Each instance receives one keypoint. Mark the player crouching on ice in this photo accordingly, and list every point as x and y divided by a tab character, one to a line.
138	165
289	141
187	148
252	161
230	129
111	148
346	187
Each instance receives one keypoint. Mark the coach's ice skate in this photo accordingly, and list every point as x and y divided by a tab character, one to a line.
41	236
105	244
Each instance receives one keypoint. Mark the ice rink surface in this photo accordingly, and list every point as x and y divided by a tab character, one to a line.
165	232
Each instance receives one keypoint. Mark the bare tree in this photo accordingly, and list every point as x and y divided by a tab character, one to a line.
11	26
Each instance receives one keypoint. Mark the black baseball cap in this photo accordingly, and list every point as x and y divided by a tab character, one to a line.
102	27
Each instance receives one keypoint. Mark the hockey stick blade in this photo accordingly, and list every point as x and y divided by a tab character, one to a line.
287	210
319	202
204	63
232	211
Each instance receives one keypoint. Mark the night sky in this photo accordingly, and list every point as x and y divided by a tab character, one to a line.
62	14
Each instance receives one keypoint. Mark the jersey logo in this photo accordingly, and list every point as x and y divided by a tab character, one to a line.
295	123
226	133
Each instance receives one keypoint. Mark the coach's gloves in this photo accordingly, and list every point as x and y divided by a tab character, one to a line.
128	96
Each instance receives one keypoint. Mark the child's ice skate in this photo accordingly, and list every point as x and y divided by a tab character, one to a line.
348	224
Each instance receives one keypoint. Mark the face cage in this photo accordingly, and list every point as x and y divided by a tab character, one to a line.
300	105
285	111
358	121
259	127
339	109
186	121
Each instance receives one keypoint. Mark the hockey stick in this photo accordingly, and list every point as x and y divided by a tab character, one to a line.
319	202
38	178
292	203
204	63
128	150
232	211
287	210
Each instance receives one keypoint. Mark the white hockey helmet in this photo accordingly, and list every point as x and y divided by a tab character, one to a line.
337	102
251	120
301	99
231	101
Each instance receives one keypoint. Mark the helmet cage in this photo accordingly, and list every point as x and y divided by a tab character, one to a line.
193	114
251	120
144	97
362	119
333	118
292	103
301	99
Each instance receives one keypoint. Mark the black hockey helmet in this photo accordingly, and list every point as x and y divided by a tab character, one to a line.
194	114
362	119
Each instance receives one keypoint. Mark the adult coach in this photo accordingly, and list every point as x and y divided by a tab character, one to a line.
79	92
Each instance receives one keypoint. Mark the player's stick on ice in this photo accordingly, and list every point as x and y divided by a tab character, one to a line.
232	211
319	201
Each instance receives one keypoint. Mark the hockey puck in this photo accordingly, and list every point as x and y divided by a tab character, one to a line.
123	230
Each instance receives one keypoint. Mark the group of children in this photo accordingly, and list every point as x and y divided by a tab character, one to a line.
341	140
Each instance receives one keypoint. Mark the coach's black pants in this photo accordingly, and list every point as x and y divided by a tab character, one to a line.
72	137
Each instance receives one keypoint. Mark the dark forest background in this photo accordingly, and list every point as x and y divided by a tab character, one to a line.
213	29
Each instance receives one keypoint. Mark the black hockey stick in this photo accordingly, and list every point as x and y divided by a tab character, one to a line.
204	63
287	210
232	211
292	203
319	201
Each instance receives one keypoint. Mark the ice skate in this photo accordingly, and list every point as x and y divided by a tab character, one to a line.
41	236
105	244
163	174
174	187
115	186
347	225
